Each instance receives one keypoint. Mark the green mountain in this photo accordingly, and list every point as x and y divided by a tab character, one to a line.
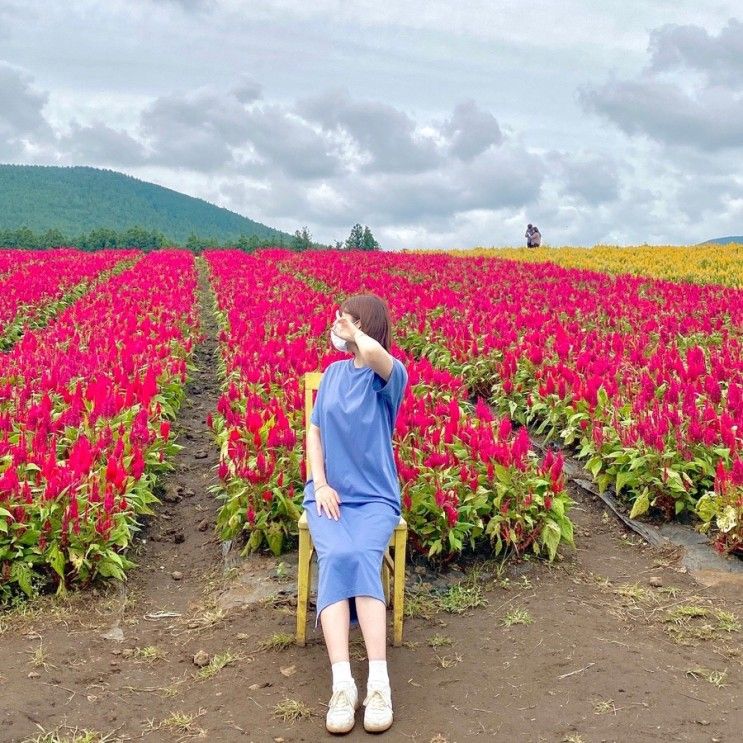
733	239
76	200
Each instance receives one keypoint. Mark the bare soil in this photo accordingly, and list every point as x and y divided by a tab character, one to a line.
587	649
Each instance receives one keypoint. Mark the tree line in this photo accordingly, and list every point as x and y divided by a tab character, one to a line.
360	238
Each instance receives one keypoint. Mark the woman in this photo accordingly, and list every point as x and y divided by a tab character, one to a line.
352	502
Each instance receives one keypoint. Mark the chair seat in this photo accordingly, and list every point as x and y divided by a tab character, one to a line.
401	525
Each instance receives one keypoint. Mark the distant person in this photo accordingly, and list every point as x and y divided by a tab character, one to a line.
533	236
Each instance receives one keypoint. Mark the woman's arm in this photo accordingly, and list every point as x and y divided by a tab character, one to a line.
316	456
326	497
373	353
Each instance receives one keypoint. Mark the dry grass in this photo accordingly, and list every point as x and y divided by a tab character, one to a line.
449	661
634	593
439	641
517	616
291	710
180	724
727	621
461	597
148	654
457	599
421	604
716	678
66	734
604	707
38	657
279	641
216	664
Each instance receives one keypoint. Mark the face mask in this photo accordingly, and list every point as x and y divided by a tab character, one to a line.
338	342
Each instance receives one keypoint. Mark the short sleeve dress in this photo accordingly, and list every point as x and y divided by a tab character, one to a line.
355	410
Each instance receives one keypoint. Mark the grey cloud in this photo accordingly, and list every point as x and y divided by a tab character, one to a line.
471	130
195	130
188	5
710	120
671	106
202	130
100	143
387	134
593	178
699	197
502	178
21	113
247	90
674	47
290	143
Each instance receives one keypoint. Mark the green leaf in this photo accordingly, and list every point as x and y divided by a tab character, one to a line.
726	520
623	478
275	539
707	507
566	528
594	466
22	573
57	560
641	505
551	538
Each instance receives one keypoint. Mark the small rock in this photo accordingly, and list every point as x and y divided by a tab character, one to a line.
170	497
656	581
114	662
114	633
33	674
127	653
201	658
242	636
278	740
288	671
200	455
179	537
189	493
176	575
203	525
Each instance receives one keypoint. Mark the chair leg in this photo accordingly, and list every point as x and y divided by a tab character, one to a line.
386	581
303	585
399	588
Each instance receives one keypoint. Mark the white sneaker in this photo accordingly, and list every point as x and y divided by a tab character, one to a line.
378	713
342	708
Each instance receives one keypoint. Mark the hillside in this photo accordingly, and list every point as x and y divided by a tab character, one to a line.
733	239
79	199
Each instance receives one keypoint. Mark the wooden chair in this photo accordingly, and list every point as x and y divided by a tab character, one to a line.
392	565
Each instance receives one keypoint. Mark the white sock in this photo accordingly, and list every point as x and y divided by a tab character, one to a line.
341	674
378	673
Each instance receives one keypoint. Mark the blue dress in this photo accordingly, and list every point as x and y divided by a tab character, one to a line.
355	411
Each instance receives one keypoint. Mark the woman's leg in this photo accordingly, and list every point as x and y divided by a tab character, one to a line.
373	620
335	619
372	615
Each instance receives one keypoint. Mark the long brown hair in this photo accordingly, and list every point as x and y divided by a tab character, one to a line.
372	311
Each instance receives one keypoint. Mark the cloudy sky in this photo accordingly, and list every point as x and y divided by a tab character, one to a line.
438	123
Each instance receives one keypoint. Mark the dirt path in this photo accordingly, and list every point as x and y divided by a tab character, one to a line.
584	651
